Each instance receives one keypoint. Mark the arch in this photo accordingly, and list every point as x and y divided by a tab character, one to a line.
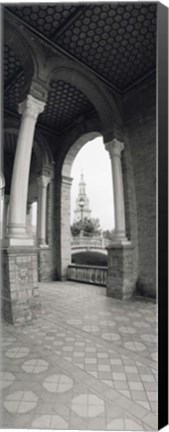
14	40
98	94
74	149
62	207
26	48
73	135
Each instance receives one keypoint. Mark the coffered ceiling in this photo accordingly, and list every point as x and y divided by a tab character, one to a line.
115	41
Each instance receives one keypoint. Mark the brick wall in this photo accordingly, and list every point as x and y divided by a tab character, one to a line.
140	135
20	295
121	274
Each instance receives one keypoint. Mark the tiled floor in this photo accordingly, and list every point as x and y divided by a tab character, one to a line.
87	362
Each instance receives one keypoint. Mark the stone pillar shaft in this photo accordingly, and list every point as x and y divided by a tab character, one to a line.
43	182
29	219
30	109
115	148
5	214
65	233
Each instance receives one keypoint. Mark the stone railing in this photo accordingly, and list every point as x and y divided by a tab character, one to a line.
95	275
89	242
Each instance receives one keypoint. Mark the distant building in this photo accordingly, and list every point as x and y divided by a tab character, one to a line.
82	209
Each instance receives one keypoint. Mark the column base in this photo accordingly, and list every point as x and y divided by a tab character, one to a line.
118	242
23	241
43	245
121	280
20	294
119	238
18	236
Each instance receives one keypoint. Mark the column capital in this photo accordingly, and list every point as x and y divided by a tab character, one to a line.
43	181
31	107
114	147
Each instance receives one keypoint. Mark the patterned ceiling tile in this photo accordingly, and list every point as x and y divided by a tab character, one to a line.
117	41
11	64
46	18
65	104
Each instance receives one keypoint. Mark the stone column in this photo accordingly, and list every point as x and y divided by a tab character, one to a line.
65	226
120	277
43	182
30	109
115	148
5	214
29	219
2	189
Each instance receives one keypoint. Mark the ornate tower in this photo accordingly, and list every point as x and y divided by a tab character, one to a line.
82	209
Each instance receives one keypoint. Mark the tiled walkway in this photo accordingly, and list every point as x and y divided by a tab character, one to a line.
88	362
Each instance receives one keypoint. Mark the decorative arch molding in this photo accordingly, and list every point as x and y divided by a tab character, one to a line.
98	94
74	149
15	40
26	48
67	142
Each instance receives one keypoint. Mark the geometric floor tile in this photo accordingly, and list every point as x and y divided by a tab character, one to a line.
144	404
120	424
50	422
58	383
121	318
104	313
116	425
127	330
17	352
154	356
141	324
150	319
110	336
91	317
75	322
87	382
6	379
7	341
134	314
148	338
107	323
131	425
20	401
90	328
35	366
134	346
87	405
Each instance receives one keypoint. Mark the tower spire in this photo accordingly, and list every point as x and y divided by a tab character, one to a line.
82	197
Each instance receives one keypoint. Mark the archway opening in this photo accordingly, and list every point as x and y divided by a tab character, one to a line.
92	204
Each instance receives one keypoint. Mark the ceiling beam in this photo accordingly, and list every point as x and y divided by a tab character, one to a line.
140	80
70	20
13	79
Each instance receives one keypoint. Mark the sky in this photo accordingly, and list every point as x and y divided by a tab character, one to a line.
94	161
